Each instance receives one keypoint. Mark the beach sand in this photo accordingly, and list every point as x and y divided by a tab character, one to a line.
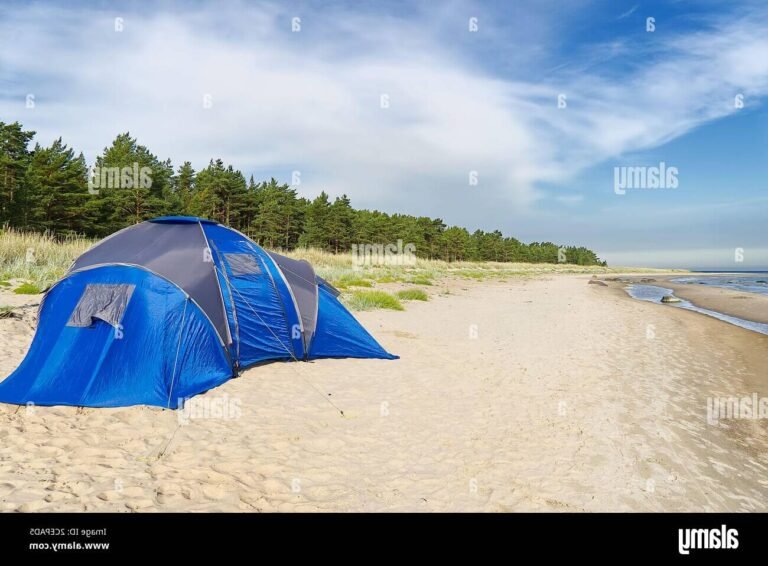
545	394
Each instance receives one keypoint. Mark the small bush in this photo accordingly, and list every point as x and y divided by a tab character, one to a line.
5	284
369	300
351	280
473	274
421	280
27	289
412	295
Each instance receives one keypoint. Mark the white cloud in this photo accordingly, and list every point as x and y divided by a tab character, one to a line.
629	12
311	100
569	200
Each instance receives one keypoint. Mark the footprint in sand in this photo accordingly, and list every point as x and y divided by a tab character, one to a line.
139	504
56	496
31	506
214	492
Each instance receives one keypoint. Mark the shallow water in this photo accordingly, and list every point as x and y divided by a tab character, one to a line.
653	294
752	283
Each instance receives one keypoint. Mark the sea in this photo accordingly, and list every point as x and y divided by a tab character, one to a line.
752	282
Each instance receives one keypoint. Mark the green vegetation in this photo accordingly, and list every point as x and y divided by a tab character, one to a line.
412	295
369	300
46	190
39	258
5	283
388	279
351	280
27	289
420	280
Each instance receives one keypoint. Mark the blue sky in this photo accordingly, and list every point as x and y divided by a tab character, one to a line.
459	101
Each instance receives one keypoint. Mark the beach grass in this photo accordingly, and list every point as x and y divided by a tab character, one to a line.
420	280
41	259
37	259
369	300
27	288
351	280
412	295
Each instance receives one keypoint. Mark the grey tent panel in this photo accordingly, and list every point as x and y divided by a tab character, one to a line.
103	302
242	264
301	279
328	287
178	252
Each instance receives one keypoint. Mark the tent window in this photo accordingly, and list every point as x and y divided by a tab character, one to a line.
242	264
102	302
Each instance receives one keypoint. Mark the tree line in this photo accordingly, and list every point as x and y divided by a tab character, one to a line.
52	189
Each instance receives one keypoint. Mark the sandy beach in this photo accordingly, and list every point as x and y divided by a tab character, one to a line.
530	394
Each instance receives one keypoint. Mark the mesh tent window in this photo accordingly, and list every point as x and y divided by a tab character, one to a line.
101	302
242	264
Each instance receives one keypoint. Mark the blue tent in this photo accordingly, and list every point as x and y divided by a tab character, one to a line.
172	307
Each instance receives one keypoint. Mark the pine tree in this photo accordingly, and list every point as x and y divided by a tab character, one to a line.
316	234
455	243
339	224
220	193
14	160
57	189
132	183
184	188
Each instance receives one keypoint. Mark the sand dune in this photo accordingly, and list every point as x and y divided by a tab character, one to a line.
571	397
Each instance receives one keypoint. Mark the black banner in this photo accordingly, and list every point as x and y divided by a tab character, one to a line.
346	536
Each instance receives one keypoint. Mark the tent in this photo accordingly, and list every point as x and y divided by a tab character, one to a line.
172	307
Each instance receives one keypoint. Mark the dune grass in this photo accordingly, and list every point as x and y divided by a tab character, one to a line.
334	267
351	280
369	300
387	278
412	295
27	288
32	261
38	259
420	280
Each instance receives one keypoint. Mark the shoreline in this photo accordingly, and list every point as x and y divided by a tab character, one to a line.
741	304
751	307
